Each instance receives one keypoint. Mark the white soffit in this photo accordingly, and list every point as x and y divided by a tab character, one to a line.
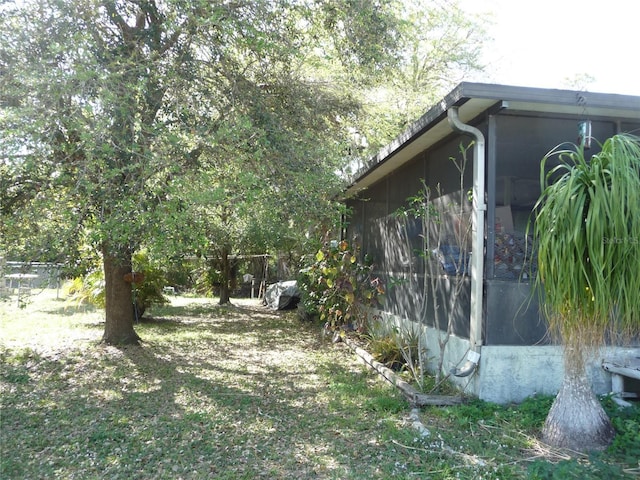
584	111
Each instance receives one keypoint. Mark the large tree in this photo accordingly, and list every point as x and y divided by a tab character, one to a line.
587	233
441	47
106	102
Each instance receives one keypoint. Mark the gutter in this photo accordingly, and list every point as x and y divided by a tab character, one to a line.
477	247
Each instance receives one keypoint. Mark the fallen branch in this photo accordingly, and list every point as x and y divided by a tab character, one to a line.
412	395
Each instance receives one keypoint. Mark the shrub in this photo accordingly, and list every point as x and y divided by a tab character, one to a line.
149	292
385	349
397	347
338	288
90	288
87	289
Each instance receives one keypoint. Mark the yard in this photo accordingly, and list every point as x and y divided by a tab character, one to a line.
234	392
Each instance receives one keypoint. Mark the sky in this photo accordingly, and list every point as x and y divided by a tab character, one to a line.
551	43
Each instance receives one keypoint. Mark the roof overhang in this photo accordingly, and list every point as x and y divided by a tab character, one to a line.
473	100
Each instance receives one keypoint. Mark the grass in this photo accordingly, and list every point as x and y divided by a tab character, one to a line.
243	392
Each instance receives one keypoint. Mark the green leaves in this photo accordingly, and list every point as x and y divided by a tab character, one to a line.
340	288
588	238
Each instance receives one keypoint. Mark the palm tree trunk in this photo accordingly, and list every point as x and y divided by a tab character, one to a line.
576	419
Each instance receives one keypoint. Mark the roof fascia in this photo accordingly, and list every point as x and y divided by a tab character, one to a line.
475	98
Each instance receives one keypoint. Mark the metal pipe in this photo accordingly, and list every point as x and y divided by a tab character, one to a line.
477	247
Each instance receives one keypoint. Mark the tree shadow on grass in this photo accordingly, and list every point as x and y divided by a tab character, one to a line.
225	319
235	396
205	309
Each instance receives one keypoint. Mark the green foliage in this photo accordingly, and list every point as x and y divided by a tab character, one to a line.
626	443
587	233
471	412
193	126
442	45
533	411
385	349
529	415
593	469
90	288
626	421
397	347
389	403
149	292
339	287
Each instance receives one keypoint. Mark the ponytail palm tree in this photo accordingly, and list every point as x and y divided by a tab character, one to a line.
587	232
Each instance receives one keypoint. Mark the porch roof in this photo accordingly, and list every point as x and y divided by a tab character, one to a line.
472	100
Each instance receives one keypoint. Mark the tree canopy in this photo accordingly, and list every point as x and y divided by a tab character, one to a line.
131	121
441	47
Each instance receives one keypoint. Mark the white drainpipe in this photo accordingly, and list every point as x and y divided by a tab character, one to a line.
477	247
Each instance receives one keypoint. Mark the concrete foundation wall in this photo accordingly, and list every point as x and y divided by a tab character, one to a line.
455	351
509	374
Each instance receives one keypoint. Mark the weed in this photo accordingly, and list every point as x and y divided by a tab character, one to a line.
386	351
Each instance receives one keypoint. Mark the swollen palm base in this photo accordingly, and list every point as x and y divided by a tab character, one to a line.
576	419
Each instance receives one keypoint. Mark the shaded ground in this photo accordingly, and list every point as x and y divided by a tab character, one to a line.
214	392
230	393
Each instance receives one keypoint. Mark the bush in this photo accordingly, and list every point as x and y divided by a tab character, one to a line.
90	288
87	289
338	288
386	351
149	292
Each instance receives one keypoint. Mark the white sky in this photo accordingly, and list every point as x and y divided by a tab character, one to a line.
549	43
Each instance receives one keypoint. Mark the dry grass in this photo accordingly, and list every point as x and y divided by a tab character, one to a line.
214	392
236	392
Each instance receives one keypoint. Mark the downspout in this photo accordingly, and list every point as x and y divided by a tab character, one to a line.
477	247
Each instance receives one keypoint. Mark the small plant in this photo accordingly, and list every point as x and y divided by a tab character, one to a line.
399	348
384	349
339	287
409	337
90	288
149	292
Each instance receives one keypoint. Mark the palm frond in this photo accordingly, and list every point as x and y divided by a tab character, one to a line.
587	232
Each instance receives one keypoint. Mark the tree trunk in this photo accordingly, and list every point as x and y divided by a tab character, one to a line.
576	419
119	312
225	296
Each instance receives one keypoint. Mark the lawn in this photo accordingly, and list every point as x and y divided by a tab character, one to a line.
242	392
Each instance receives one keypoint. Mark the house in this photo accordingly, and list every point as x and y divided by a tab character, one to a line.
474	278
